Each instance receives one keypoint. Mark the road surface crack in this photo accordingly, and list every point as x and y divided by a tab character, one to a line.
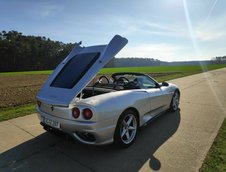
22	129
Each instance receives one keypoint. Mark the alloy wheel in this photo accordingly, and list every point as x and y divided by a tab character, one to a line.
128	128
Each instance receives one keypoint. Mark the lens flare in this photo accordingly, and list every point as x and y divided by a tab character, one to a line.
198	52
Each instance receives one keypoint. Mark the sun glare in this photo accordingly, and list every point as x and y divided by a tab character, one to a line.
197	49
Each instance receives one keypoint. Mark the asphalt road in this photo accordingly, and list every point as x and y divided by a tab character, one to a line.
174	142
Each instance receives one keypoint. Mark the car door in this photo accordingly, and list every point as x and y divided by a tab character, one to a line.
156	100
157	97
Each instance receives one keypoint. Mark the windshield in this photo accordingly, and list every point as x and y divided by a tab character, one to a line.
140	80
74	70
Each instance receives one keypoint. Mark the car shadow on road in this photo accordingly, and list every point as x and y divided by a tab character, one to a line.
48	152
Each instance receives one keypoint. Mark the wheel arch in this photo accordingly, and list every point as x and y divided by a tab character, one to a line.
116	137
134	110
171	103
177	91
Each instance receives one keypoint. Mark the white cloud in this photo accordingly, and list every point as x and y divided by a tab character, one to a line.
211	29
45	9
163	52
167	52
129	30
208	35
129	26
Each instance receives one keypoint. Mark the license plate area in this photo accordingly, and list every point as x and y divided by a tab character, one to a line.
50	122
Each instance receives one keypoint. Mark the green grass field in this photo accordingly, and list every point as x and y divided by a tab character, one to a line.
14	112
216	157
163	69
153	69
172	73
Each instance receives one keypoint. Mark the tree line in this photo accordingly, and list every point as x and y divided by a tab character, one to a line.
22	53
219	60
19	52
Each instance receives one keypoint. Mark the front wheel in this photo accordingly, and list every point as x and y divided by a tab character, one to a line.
175	101
126	129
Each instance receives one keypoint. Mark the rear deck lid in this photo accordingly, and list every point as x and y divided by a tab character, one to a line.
77	70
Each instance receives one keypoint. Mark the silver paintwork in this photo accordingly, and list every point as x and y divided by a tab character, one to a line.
57	103
107	109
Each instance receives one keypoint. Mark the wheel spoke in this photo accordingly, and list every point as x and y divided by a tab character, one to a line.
127	135
175	105
131	128
124	123
175	101
123	132
129	120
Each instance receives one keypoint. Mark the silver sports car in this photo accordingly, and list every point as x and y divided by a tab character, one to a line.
108	110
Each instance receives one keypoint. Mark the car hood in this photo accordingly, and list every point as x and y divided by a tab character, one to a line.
77	70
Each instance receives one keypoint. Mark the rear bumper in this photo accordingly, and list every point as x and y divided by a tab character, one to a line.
93	133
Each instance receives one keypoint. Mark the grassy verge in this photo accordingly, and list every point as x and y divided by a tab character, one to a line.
216	157
152	69
164	69
13	112
41	72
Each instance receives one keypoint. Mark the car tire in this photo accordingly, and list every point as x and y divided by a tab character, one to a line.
174	105
126	129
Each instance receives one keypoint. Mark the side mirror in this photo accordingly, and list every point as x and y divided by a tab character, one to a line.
164	84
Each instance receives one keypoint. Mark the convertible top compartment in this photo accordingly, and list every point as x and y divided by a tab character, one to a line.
90	91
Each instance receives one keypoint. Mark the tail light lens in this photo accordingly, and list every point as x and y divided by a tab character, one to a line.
39	103
75	112
87	113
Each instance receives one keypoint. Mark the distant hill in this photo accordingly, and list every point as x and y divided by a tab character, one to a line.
139	62
186	63
133	62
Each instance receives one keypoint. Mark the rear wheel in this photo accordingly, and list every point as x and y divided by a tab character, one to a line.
175	101
126	129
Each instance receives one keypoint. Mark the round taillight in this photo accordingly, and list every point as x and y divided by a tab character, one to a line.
75	112
87	113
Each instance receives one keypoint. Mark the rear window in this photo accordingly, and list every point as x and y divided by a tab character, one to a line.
74	70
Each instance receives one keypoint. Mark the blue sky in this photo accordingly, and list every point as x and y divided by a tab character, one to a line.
169	30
